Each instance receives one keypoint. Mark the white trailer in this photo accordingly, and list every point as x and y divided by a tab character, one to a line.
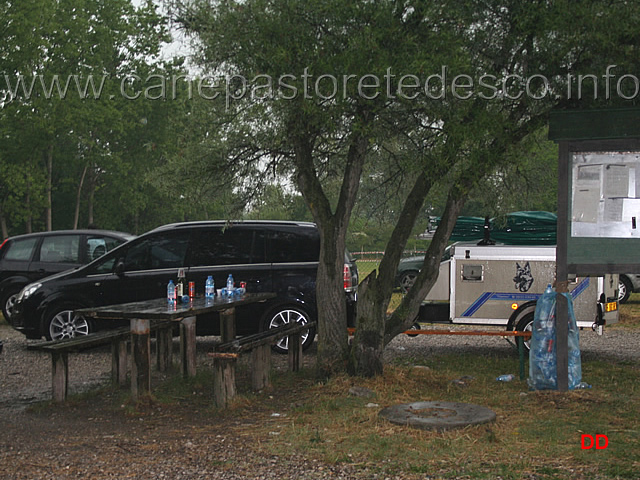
500	284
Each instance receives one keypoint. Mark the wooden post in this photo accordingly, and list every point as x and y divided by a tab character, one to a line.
261	367
140	359
562	339
119	356
224	378
164	347
59	376
188	346
295	352
520	342
228	324
562	274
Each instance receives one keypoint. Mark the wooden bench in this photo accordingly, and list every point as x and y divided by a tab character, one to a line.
118	338
259	344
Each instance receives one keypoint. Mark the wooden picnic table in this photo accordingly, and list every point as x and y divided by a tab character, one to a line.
141	314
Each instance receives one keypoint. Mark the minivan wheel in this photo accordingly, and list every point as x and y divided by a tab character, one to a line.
8	302
283	316
64	323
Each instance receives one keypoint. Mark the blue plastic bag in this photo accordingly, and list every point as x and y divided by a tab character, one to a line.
542	353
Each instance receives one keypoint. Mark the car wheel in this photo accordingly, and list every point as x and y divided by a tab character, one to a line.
63	323
283	316
624	289
407	279
8	304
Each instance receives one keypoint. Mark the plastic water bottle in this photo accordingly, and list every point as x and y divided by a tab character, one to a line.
230	285
542	353
575	363
209	287
506	378
171	292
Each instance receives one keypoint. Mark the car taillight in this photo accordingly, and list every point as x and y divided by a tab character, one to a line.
347	280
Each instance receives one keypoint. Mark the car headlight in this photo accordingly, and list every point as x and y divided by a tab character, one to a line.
28	291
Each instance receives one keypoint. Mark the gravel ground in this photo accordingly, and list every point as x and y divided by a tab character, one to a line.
79	441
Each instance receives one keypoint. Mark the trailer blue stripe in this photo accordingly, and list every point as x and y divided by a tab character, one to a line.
516	297
482	299
581	287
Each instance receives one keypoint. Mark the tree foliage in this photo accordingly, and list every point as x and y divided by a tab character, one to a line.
312	98
499	66
378	113
72	128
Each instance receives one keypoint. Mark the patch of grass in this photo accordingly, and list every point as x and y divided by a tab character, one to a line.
177	388
536	435
365	268
630	313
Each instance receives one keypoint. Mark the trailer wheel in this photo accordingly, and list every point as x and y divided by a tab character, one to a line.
522	320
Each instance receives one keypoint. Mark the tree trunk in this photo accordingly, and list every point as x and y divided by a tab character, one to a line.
76	216
49	162
404	316
332	308
3	226
374	293
27	201
91	200
368	343
330	298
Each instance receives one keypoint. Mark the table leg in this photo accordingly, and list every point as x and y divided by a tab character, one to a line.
295	352
188	346
228	324
140	359
119	356
59	376
164	346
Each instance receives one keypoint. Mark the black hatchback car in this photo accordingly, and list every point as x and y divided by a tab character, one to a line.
27	258
266	256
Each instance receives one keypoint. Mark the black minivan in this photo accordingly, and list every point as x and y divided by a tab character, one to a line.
267	256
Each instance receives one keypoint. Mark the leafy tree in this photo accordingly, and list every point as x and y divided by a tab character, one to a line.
65	108
506	66
546	42
526	180
316	121
21	28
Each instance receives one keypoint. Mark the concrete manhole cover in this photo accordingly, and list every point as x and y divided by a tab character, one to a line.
435	412
438	415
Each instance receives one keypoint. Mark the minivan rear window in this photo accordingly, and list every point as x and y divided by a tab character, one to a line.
231	246
294	246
